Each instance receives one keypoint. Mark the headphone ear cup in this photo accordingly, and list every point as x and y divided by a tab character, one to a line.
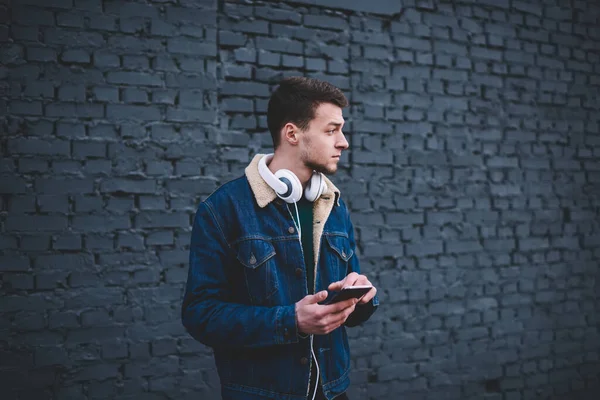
294	192
315	188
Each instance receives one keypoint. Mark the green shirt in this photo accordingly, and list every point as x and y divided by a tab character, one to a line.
305	209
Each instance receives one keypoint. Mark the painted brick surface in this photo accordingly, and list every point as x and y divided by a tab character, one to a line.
473	177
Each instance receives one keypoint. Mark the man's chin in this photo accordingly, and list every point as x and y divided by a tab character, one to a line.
324	169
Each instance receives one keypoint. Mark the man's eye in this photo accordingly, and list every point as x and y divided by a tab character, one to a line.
331	131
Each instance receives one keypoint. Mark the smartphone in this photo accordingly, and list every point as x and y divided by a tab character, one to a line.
346	293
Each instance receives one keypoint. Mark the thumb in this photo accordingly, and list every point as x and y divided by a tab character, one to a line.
317	297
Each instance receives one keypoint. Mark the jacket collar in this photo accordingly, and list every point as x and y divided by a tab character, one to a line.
264	194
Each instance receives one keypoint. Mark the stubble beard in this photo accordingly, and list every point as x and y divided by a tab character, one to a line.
315	166
320	167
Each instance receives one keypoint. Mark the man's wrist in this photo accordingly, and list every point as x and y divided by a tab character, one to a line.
300	334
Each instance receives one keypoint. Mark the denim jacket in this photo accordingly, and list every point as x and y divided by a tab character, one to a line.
245	275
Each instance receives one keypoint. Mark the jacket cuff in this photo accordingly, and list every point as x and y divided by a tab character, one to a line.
362	312
286	330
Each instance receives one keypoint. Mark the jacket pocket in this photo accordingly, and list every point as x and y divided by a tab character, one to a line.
338	255
257	256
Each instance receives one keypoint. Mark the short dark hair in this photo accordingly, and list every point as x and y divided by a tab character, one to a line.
295	101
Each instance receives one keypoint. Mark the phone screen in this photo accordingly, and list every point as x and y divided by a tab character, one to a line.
347	293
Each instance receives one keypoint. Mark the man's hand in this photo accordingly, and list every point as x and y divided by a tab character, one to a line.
313	318
354	279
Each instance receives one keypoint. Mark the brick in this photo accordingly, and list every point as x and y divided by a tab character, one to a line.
66	37
195	15
163	96
72	110
135	44
24	223
70	19
136	62
190	81
32	16
325	21
53	203
130	10
237	105
106	94
40	54
128	186
103	58
190	115
159	238
160	220
103	22
98	223
134	78
424	248
272	14
463	247
198	185
26	108
132	95
133	112
14	263
39	89
57	185
191	47
258	27
227	38
280	45
71	93
67	242
39	147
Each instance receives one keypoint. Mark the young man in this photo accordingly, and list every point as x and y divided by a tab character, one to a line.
265	250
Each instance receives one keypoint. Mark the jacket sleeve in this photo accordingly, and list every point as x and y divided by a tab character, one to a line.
207	312
362	312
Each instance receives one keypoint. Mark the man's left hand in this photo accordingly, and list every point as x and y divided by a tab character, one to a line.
354	279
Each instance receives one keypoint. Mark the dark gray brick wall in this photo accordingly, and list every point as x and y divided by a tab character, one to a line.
473	177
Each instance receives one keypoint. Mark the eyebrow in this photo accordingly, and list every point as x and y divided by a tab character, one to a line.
336	124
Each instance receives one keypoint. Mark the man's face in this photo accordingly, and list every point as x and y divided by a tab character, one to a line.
323	141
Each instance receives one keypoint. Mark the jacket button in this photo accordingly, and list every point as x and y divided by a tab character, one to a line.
299	272
291	229
304	361
286	333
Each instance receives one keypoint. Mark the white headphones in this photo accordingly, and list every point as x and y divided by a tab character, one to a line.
287	185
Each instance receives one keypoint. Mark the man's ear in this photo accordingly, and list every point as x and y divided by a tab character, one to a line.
290	133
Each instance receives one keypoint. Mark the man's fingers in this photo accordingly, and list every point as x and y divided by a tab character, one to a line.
339	306
315	298
362	280
336	285
338	319
367	297
351	279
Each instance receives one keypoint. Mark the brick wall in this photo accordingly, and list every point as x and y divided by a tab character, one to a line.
473	178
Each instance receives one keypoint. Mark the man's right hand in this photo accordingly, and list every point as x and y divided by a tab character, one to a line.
313	318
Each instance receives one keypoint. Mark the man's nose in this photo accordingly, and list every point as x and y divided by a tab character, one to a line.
343	143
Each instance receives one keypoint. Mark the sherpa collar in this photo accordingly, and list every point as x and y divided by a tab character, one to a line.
264	194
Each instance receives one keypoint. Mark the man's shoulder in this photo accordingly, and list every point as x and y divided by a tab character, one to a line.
233	190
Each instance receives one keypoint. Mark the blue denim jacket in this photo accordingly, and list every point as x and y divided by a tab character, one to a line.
247	272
